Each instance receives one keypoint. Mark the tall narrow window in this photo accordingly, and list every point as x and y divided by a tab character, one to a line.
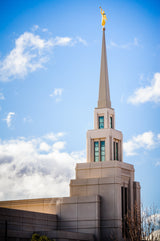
111	122
96	151
102	144
126	200
99	151
115	150
101	122
124	209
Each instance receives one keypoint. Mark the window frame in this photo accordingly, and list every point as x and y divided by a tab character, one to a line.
100	122
101	150
111	121
116	150
95	156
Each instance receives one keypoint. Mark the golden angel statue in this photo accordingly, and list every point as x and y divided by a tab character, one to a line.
104	18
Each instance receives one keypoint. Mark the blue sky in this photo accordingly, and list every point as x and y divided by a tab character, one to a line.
49	77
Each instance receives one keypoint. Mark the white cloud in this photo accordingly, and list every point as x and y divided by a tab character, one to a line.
36	167
145	141
127	45
158	163
9	118
59	145
27	56
81	40
1	96
35	27
148	93
44	147
141	76
30	53
54	137
62	41
27	119
57	93
44	30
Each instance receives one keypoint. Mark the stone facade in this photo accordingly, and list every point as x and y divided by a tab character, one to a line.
109	135
79	214
41	205
104	189
107	179
18	225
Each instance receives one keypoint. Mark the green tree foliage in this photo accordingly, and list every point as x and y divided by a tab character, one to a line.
44	238
37	237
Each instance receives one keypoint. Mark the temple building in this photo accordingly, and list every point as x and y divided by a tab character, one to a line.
103	192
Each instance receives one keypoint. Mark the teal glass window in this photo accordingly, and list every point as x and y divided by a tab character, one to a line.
101	122
96	151
115	149
99	151
111	122
102	146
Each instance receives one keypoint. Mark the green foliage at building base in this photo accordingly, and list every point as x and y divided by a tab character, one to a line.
37	237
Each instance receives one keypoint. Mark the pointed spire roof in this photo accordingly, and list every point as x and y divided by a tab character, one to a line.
104	93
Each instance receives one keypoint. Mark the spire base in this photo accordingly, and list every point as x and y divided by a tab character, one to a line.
104	104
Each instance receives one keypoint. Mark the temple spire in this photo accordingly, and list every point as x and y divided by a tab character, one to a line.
104	93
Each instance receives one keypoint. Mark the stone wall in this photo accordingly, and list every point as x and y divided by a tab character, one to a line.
53	235
42	205
106	179
18	225
79	214
23	221
75	214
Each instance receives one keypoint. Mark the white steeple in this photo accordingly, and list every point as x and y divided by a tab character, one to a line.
104	93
